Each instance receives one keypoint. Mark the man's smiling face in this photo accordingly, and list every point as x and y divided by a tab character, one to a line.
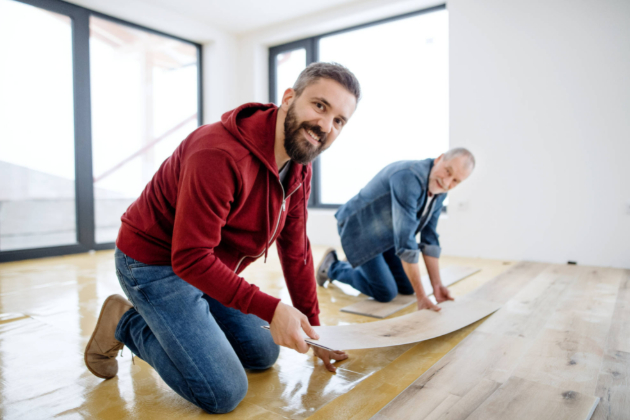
447	174
315	118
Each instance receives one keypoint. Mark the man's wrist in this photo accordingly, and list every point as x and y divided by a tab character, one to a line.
421	294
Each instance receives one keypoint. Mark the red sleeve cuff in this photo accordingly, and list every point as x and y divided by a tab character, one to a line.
263	306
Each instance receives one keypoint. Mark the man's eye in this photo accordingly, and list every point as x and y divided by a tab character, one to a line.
319	105
338	121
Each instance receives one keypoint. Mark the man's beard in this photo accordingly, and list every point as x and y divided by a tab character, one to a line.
299	149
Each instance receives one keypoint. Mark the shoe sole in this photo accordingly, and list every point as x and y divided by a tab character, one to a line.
98	323
328	251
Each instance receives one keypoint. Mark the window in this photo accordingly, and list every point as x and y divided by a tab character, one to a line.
289	65
37	173
90	106
147	85
402	65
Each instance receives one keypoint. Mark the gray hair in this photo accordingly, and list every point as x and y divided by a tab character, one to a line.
332	71
460	151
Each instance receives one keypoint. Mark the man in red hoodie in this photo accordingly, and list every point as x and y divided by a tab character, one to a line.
216	205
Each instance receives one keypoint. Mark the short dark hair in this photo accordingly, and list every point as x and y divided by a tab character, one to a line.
332	71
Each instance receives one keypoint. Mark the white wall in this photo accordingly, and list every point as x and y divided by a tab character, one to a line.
540	93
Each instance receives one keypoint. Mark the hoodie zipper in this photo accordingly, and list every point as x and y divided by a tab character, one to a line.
282	209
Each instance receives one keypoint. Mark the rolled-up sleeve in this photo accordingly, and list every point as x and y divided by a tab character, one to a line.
429	238
406	192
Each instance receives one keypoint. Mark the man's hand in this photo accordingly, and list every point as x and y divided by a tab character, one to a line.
286	325
425	303
441	293
328	355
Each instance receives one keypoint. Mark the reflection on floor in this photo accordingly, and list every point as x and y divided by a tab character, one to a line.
48	309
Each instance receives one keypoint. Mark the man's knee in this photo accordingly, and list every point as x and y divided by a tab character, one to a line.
265	357
225	396
386	295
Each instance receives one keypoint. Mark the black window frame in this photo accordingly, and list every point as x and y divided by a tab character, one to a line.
84	177
311	45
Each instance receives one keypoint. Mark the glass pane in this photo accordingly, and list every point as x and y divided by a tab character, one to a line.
144	103
403	70
37	187
289	65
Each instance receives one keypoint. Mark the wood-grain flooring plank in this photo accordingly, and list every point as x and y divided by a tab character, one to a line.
464	405
619	337
568	352
524	339
410	328
503	287
375	309
613	387
519	399
370	307
529	310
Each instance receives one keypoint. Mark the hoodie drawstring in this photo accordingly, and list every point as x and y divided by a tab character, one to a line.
267	219
304	204
304	214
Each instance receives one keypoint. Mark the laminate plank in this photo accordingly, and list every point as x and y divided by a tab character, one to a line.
464	405
613	387
507	284
564	359
550	333
426	403
569	350
376	309
529	310
410	328
480	356
472	371
619	336
519	399
587	307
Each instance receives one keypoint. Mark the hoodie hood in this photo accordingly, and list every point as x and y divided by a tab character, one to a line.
245	123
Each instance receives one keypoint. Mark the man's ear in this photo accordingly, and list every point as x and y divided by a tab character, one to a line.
287	98
439	158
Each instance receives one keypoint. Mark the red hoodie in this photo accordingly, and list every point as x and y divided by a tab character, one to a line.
217	204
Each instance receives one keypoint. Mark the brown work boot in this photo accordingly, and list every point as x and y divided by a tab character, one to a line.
102	349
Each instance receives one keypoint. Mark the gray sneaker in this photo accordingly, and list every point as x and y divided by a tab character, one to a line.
321	273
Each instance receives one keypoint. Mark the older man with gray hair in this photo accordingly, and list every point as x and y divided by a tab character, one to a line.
378	229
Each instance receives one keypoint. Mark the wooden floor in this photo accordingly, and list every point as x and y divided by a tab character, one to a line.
48	309
551	352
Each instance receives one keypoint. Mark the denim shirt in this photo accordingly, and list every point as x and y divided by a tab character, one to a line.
387	213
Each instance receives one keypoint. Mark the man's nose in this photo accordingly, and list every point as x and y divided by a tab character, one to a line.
326	123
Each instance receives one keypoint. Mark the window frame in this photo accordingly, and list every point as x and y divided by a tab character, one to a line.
311	44
84	177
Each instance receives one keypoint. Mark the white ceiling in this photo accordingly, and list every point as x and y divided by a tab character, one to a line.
238	16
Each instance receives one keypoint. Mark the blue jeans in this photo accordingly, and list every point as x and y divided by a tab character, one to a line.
382	277
198	346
